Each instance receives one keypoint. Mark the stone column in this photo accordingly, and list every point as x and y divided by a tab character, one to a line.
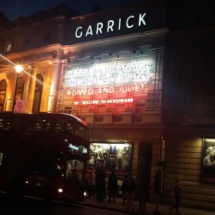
55	81
10	90
31	87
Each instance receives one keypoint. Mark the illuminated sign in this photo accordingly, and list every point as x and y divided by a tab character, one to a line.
139	71
104	101
108	82
106	90
110	26
80	149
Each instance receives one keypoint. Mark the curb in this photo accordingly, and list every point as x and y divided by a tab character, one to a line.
109	208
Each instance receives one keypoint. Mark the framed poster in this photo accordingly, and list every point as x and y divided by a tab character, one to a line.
208	160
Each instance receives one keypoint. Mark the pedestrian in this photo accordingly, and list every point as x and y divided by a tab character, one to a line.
177	196
100	185
124	189
91	184
112	186
130	193
143	192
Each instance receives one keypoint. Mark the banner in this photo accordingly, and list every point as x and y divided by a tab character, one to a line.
20	106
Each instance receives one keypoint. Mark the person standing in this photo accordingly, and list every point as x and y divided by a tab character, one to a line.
143	192
177	196
124	189
91	184
100	185
130	193
112	186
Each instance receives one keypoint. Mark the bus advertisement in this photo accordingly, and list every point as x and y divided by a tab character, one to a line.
43	155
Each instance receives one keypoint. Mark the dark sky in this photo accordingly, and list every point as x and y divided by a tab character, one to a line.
14	9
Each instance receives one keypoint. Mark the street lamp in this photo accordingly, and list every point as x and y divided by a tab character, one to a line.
18	69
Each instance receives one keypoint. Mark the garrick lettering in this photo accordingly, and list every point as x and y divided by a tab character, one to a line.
111	26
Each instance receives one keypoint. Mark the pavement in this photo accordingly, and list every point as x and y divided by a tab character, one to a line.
150	208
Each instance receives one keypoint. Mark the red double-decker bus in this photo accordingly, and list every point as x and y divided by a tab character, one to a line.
43	155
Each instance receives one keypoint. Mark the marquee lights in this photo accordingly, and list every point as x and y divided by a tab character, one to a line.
138	71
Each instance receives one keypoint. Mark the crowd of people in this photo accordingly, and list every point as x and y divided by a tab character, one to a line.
96	188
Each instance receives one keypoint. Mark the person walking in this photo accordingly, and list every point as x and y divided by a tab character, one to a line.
112	186
177	197
130	193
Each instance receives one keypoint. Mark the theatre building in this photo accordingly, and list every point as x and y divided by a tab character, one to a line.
140	75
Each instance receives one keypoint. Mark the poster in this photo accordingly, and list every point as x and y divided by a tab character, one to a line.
20	106
208	160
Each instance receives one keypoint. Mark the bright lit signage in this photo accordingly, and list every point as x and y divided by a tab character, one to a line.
117	82
104	101
79	149
106	90
101	75
111	26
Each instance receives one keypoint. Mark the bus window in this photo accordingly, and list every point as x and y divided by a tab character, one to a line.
74	171
80	131
5	124
63	125
48	126
60	126
67	126
36	126
40	125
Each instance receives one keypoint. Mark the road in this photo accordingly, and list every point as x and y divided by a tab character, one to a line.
35	207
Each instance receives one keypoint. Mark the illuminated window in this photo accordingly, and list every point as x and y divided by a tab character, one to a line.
19	88
110	156
38	93
5	124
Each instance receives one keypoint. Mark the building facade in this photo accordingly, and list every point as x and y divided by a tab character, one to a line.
141	77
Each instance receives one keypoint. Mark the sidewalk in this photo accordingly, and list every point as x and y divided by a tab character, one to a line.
150	208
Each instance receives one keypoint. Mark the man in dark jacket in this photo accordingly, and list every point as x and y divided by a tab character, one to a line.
177	196
130	192
112	186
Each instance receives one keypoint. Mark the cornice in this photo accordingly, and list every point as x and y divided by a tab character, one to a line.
33	55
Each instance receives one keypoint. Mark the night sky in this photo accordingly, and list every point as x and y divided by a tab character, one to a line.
14	9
